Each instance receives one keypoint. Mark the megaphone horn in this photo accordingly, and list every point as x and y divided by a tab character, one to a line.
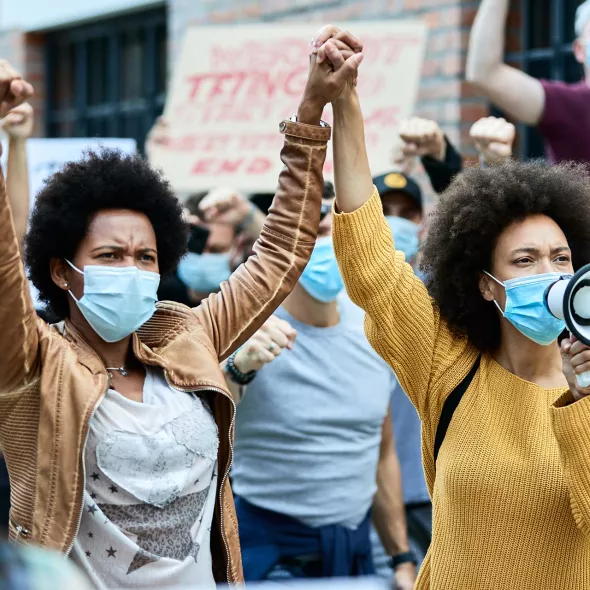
569	299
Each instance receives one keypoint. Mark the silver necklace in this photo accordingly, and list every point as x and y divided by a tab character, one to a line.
121	370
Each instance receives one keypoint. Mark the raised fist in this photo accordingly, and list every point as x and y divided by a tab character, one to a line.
493	139
267	344
13	89
422	137
19	122
225	205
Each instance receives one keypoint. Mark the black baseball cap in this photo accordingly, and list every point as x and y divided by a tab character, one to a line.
398	182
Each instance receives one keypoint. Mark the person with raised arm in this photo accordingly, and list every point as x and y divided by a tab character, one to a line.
117	424
475	349
560	110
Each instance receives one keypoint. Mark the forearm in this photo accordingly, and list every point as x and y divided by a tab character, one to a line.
388	507
17	186
442	173
237	391
571	427
486	44
352	174
18	321
282	250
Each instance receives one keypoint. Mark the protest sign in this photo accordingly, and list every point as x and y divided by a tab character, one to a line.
233	85
46	156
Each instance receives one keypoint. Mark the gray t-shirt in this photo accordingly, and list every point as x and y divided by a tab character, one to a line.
308	431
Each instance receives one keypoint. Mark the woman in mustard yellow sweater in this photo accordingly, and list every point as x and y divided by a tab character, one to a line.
511	485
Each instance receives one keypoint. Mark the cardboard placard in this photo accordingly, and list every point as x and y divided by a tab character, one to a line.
233	85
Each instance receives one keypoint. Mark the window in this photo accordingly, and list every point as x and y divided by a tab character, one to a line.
546	40
107	79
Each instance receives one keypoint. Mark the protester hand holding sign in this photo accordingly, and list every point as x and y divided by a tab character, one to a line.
493	138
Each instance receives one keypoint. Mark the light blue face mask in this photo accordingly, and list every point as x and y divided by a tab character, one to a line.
588	53
405	235
204	272
321	277
117	300
525	307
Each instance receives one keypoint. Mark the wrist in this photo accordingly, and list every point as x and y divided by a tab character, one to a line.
236	374
441	152
241	362
15	140
310	111
407	557
346	102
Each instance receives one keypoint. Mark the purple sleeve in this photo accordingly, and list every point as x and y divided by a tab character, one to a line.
562	101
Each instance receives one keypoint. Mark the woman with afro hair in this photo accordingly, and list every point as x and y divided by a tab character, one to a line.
511	484
117	423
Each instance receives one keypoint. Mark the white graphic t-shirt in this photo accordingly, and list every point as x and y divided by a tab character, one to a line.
151	480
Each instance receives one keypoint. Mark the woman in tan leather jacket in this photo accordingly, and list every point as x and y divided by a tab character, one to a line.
116	423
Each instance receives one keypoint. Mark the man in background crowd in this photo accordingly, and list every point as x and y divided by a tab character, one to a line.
216	244
560	110
314	452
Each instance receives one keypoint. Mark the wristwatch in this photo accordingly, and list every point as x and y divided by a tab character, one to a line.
235	374
293	119
407	557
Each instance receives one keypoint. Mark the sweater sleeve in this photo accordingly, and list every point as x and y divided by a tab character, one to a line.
571	426
402	323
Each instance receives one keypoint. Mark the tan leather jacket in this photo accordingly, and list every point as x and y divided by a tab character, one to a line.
51	381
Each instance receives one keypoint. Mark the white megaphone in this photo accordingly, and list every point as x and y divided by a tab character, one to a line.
569	299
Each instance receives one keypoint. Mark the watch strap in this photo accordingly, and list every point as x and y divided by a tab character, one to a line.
407	557
305	131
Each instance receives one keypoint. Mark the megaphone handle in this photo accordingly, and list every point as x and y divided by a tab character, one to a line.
583	380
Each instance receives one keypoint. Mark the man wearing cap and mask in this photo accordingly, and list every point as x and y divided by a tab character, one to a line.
314	456
403	208
560	110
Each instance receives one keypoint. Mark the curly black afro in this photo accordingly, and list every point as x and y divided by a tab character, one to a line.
103	179
469	218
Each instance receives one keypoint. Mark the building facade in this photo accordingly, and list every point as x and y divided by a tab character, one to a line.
100	68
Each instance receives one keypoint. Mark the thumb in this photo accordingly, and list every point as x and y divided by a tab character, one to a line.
12	119
566	346
501	149
349	69
410	149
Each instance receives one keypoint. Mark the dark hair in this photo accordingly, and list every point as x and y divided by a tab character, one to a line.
103	179
469	218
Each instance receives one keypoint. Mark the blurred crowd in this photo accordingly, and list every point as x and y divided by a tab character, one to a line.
325	444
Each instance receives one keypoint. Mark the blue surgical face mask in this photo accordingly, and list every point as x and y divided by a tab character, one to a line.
588	53
526	310
204	272
405	235
321	277
117	300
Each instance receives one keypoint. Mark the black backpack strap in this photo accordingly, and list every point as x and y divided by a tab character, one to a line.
450	406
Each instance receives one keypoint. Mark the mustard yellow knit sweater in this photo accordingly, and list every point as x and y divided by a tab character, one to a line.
511	495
